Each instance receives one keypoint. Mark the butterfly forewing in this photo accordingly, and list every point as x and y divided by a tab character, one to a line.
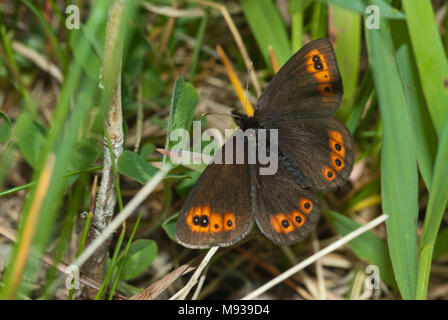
218	210
307	86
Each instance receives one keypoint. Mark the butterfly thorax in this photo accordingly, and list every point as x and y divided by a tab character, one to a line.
244	121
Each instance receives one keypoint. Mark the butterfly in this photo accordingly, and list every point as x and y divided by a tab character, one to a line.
315	153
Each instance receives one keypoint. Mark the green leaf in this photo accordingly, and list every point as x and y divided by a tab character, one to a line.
365	93
140	256
423	129
183	188
146	150
441	245
386	10
31	138
184	101
268	28
5	128
367	246
169	225
347	46
437	202
430	57
133	165
399	176
92	65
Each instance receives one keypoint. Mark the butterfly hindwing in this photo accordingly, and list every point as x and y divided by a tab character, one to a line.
218	210
284	212
309	85
322	149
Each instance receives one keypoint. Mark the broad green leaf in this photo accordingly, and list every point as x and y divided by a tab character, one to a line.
31	138
133	165
140	256
146	150
5	128
183	105
399	176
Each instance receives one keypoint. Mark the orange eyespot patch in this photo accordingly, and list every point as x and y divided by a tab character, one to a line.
325	89
201	219
337	147
297	218
336	135
317	66
328	173
336	161
305	205
229	221
282	224
216	224
198	219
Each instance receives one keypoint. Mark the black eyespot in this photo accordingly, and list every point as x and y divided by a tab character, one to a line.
229	223
204	221
285	223
307	205
196	220
329	174
316	58
298	219
338	146
327	89
338	162
325	76
216	226
318	66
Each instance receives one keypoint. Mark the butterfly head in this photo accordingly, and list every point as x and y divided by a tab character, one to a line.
244	121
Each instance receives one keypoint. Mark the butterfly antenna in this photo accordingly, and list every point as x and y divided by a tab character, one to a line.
247	87
219	114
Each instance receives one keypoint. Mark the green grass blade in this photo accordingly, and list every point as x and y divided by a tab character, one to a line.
438	198
51	34
399	176
268	28
346	25
296	9
424	132
441	245
365	93
430	57
386	10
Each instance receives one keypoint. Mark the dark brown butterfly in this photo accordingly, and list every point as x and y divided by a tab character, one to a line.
315	153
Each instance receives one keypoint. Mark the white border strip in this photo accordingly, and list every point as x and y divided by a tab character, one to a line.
335	245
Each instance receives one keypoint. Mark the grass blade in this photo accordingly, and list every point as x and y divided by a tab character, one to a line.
430	57
273	34
399	176
438	198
